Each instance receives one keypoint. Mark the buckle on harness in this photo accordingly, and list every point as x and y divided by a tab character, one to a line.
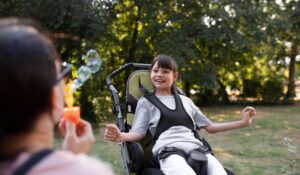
198	161
204	149
167	151
196	158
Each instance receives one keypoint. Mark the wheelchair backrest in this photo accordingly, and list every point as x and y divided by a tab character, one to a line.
137	80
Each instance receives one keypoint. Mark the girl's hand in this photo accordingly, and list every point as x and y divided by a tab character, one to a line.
78	138
112	133
248	115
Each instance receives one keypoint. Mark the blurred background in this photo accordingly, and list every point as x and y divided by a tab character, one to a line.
230	52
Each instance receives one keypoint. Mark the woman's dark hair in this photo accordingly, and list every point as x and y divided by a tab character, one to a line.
27	76
165	61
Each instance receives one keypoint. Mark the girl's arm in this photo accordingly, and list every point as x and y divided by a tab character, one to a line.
248	114
113	134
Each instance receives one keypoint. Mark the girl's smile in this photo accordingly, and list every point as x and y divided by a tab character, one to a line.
163	79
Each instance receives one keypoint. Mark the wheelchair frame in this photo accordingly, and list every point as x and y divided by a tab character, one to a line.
117	109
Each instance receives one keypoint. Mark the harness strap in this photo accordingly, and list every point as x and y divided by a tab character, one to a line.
169	117
167	151
33	160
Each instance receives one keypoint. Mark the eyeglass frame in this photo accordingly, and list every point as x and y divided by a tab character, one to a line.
67	67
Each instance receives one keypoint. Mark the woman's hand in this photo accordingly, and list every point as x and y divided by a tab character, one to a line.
112	133
78	138
248	114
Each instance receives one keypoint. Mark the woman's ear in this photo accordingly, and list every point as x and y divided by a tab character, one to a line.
57	104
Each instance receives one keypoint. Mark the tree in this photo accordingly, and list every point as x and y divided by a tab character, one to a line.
293	53
74	25
218	44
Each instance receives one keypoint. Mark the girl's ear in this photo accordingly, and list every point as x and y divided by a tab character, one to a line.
175	76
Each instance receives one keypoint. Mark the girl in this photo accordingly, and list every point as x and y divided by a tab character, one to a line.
176	111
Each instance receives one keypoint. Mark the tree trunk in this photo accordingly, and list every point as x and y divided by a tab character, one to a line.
223	93
291	79
290	94
187	88
134	37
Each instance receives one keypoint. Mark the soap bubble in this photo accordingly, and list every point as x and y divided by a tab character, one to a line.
83	74
93	64
92	60
291	148
286	140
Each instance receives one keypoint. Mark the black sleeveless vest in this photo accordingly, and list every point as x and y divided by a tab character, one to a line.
169	117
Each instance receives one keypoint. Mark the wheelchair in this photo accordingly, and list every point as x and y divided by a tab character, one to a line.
137	158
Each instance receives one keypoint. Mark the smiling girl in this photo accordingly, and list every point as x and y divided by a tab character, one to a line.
172	119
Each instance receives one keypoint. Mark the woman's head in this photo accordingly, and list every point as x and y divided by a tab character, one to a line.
164	72
27	75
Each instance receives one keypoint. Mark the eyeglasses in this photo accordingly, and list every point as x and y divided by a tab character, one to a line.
66	70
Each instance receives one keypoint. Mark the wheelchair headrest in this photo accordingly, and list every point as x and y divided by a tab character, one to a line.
135	81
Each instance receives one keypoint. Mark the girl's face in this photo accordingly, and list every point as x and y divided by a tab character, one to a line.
162	78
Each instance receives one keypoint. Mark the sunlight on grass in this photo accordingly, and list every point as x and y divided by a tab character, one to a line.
256	150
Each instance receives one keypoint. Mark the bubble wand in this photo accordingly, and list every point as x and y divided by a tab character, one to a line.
71	112
93	64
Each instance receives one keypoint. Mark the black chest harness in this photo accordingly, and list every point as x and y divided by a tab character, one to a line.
169	117
178	117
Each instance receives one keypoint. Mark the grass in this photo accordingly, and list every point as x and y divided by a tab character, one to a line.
257	150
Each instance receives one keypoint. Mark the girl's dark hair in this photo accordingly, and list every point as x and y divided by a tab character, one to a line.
165	61
27	76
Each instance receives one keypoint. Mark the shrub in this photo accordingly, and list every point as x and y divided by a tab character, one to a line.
272	91
251	87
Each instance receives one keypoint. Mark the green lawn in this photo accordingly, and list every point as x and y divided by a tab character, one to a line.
257	150
260	149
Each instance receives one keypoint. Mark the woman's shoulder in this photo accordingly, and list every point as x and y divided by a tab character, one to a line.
69	163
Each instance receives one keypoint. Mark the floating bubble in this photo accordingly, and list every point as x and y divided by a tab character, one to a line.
83	74
93	64
92	60
286	140
291	148
283	170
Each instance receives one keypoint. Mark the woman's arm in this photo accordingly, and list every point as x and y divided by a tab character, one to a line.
113	134
248	114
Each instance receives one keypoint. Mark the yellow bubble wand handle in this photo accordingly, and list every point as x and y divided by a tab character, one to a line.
71	113
69	98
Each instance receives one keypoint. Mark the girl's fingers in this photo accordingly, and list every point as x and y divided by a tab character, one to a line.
111	127
249	111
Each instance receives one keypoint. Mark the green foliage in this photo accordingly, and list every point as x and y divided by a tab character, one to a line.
205	97
217	44
272	91
251	87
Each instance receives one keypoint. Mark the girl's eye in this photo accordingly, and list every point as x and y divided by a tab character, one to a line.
155	70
